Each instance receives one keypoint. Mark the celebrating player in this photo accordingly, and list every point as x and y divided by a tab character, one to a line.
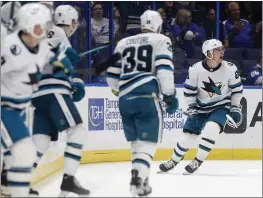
213	89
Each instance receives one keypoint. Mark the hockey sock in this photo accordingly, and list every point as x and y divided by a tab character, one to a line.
183	146
19	175
207	142
73	152
42	143
179	152
142	156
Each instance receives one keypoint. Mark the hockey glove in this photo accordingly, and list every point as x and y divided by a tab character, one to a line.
191	110
236	114
171	102
78	89
72	55
61	62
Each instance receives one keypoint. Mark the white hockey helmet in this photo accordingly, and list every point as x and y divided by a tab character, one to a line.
151	20
6	11
64	14
32	14
49	4
209	45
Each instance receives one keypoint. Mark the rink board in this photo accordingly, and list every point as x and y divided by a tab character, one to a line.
106	141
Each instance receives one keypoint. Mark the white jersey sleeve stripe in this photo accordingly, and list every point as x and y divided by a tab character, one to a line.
163	56
235	85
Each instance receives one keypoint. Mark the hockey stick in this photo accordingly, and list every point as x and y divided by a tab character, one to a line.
97	48
104	66
230	119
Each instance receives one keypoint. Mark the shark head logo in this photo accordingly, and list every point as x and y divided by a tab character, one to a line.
212	88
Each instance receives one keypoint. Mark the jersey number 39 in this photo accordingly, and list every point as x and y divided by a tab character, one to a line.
140	61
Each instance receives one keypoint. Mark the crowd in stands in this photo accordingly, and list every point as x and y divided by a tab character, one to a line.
188	24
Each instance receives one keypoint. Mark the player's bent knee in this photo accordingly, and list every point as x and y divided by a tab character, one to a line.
23	153
211	130
41	142
77	133
143	150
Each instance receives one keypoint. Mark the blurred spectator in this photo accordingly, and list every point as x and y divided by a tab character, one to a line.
210	26
81	31
166	27
130	12
186	33
100	25
255	10
170	11
258	35
116	18
238	32
254	76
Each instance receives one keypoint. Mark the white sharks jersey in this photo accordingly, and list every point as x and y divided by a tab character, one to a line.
48	83
145	66
56	36
213	88
3	31
20	70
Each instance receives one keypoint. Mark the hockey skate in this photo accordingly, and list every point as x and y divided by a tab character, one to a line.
33	193
138	187
70	184
192	167
167	166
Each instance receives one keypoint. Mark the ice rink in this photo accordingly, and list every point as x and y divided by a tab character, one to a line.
213	179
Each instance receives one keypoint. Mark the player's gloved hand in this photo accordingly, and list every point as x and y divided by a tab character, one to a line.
72	55
115	92
236	114
78	89
191	110
171	102
189	35
61	63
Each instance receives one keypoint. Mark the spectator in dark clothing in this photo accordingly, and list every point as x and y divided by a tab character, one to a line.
237	31
186	33
210	26
167	29
130	12
258	35
170	11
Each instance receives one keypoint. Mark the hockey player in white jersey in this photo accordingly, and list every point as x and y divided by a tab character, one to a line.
55	110
213	89
144	74
23	54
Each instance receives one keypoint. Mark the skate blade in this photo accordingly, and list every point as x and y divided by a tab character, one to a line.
70	194
162	172
187	173
33	195
87	195
63	194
